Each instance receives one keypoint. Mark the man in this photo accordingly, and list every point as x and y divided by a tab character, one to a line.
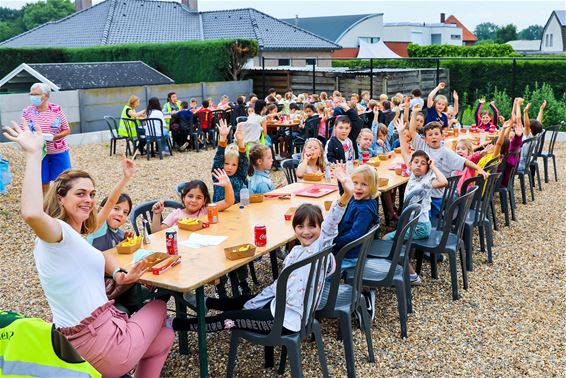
53	123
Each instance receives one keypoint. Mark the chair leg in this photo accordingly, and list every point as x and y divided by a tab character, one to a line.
512	205
282	360
482	239
346	330
402	307
545	165
464	270
523	188
253	274
489	239
537	172
531	184
111	144
234	341
295	360
367	330
453	275
504	207
320	347
468	239
433	266
408	293
419	256
555	171
493	215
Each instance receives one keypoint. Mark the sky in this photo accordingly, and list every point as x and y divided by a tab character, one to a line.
470	13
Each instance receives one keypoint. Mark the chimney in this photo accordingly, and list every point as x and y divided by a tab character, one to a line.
442	18
191	4
82	4
296	20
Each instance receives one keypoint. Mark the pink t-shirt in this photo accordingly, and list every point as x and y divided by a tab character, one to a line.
467	172
52	121
177	214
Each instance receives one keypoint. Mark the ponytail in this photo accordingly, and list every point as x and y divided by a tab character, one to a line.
257	152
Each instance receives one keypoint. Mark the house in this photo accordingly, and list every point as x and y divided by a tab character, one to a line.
554	33
70	76
114	22
525	46
422	33
468	38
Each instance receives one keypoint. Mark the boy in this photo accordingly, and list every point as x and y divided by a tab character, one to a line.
182	134
446	160
340	147
204	115
365	100
416	98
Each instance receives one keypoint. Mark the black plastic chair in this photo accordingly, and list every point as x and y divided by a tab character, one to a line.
330	127
144	211
534	167
316	266
450	193
341	300
393	271
310	131
151	136
290	169
549	154
114	137
507	193
447	238
131	124
530	146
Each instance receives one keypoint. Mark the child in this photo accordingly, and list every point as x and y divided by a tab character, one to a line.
361	213
339	148
446	159
484	119
465	149
366	143
416	98
255	127
232	159
261	161
256	312
294	113
440	103
365	100
204	115
195	197
153	110
532	128
380	132
323	115
312	158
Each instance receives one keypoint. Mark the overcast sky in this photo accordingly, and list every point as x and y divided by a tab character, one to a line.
470	13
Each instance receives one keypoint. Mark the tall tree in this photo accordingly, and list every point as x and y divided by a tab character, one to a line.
486	30
532	32
41	12
506	33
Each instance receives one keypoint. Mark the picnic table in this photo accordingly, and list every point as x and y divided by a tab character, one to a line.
272	123
203	265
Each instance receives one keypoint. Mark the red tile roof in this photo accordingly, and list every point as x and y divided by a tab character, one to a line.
466	34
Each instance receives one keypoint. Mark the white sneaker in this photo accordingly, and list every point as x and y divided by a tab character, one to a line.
415	279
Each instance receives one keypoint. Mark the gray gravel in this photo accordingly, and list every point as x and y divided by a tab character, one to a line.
509	323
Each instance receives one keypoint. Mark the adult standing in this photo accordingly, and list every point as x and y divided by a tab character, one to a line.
53	123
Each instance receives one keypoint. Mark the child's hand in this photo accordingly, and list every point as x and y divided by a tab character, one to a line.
483	173
543	105
158	207
128	167
455	95
431	164
399	125
376	111
30	141
501	120
482	101
134	273
380	142
417	108
527	107
223	129
442	85
129	234
341	175
492	103
519	100
222	177
308	155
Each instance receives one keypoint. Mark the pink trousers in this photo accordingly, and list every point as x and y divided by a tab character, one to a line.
113	343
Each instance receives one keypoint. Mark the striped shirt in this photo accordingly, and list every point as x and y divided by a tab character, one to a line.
52	121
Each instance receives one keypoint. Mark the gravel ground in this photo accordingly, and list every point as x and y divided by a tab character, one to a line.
508	323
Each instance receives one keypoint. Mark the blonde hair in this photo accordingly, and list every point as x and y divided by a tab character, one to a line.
60	188
364	131
323	96
441	98
383	97
132	100
336	94
320	163
232	152
466	144
370	174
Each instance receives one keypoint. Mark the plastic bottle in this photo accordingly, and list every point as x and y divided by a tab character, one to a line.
5	175
327	175
145	233
244	196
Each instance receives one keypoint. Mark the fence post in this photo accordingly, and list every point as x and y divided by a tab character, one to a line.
437	71
371	78
314	76
263	75
514	79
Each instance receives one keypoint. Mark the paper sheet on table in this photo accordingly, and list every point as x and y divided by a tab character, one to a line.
199	241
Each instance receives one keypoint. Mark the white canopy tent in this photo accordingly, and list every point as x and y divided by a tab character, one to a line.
375	51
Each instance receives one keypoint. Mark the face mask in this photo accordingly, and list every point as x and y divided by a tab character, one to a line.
35	100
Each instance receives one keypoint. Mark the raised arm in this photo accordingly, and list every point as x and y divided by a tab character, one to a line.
128	168
406	110
430	98
527	119
44	226
541	111
223	180
495	111
243	160
403	142
503	133
478	111
413	123
456	104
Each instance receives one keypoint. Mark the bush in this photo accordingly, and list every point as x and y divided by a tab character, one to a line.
486	50
184	62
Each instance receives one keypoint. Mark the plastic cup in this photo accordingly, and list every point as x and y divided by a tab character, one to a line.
327	205
288	216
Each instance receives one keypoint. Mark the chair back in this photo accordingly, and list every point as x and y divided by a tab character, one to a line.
481	212
316	266
144	212
512	168
130	124
290	169
454	220
330	126
495	161
542	137
450	193
364	242
311	127
529	146
554	134
112	124
414	196
476	181
151	126
280	107
300	105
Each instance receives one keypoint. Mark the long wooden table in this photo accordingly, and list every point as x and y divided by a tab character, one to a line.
200	266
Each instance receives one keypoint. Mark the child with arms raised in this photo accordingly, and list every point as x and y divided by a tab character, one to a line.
436	106
485	119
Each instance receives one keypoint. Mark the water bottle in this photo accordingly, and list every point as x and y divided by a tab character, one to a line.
5	175
327	175
245	196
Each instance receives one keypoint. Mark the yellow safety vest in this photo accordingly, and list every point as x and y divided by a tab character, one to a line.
122	127
30	347
168	107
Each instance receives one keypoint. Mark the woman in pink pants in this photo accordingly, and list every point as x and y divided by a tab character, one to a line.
71	271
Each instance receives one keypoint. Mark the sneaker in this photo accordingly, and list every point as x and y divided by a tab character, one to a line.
415	279
190	300
184	146
370	299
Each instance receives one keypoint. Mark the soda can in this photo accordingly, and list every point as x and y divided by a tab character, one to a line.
171	242
212	213
260	235
365	156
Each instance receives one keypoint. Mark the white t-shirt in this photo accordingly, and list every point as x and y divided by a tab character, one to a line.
253	128
159	115
72	276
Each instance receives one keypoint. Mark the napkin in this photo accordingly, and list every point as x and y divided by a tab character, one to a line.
141	254
199	241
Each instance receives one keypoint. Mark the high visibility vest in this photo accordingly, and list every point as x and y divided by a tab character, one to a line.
168	108
27	350
122	127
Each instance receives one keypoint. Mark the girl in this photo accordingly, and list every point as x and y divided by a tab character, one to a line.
361	213
261	161
366	143
256	312
323	115
380	132
312	160
71	272
195	198
440	103
485	119
465	149
153	110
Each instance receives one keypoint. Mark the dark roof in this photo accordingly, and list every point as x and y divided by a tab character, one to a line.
133	21
561	15
330	27
68	76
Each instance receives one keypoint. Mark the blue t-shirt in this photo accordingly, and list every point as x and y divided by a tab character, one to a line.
432	116
105	237
360	216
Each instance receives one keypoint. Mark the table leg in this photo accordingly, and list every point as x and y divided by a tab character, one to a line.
202	348
181	313
234	282
274	267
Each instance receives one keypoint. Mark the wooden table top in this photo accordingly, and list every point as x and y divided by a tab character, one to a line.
283	124
383	171
200	266
474	138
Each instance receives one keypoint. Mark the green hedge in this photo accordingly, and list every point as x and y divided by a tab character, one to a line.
184	62
491	50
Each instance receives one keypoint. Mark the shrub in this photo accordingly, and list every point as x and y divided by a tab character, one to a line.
486	50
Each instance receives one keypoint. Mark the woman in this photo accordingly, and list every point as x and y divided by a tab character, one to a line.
71	272
129	111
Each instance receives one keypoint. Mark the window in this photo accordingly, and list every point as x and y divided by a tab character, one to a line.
455	36
284	62
311	62
550	41
435	39
368	39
